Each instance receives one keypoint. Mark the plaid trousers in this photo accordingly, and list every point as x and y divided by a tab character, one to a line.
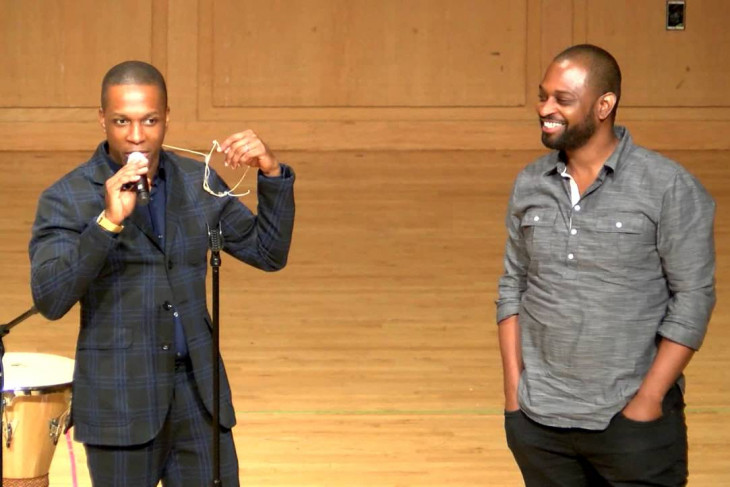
181	453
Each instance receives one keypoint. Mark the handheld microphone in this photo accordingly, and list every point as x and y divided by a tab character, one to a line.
142	186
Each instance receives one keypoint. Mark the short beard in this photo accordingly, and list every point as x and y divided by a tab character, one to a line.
573	137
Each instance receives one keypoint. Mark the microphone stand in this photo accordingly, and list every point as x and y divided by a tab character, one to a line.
215	241
4	330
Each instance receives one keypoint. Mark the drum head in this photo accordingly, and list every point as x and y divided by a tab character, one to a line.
34	371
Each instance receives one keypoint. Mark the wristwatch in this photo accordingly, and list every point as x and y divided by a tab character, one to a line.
107	224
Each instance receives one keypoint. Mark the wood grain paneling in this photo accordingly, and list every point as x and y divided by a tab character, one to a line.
662	68
55	52
414	53
336	75
556	31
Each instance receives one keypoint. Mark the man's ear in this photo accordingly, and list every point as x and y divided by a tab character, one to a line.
102	121
606	104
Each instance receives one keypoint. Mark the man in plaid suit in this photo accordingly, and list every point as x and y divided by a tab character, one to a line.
142	397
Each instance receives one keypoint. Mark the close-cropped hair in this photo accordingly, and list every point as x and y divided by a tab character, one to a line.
133	73
604	74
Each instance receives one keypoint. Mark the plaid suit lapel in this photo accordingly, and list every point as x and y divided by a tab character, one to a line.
141	220
176	201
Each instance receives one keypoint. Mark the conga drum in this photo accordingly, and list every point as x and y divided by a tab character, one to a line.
37	402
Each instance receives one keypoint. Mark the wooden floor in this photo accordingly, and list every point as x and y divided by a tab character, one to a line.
372	359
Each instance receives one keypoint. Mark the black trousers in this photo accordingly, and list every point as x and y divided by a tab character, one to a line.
626	453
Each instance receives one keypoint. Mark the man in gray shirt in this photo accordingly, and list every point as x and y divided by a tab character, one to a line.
607	292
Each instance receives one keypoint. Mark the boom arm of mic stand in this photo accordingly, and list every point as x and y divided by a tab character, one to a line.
5	329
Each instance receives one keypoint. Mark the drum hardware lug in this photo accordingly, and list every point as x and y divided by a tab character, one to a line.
8	435
55	430
8	398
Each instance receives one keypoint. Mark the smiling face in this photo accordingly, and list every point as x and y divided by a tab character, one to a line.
566	106
134	119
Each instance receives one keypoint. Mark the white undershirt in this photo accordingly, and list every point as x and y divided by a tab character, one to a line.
574	192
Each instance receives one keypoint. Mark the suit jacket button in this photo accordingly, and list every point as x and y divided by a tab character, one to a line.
169	264
166	347
167	305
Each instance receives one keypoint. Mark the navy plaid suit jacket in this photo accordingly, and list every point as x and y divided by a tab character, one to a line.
125	353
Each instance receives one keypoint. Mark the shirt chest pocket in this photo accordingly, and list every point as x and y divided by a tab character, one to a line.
627	238
538	226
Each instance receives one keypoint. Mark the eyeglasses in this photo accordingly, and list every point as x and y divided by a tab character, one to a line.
207	157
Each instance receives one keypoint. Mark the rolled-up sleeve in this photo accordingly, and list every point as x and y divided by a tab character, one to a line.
516	261
685	241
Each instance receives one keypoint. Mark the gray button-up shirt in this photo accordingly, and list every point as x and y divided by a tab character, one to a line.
597	283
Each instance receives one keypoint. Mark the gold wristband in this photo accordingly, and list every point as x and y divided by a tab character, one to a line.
108	225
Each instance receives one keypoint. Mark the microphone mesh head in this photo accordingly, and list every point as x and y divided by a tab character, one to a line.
136	156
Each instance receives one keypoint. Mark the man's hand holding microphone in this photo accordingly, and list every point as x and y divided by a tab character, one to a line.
127	188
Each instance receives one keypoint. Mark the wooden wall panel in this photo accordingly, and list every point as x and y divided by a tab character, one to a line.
338	75
556	31
664	68
55	52
365	53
